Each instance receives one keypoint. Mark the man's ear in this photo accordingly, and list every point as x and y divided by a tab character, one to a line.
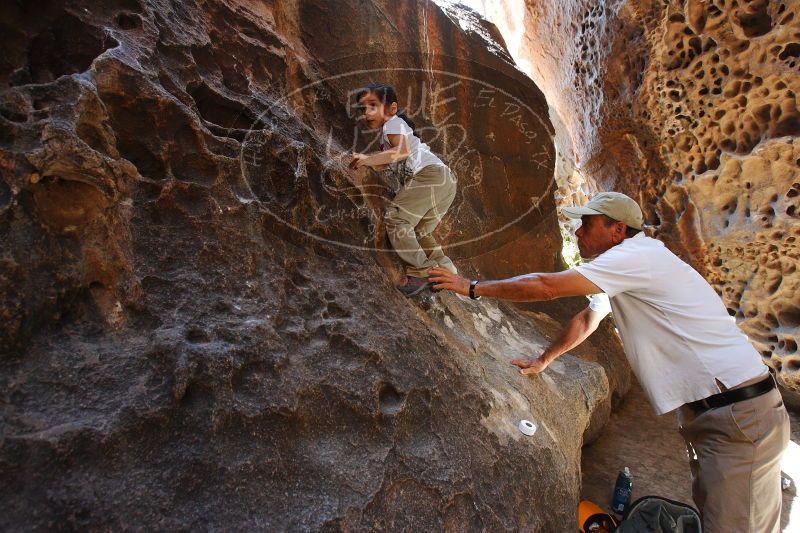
620	228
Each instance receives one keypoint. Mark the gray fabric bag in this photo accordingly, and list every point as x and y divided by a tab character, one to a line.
653	514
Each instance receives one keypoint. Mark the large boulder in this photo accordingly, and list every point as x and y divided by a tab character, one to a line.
199	328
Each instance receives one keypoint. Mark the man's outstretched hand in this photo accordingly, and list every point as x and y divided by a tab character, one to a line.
444	279
531	366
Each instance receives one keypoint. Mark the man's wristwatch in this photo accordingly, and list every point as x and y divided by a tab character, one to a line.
472	285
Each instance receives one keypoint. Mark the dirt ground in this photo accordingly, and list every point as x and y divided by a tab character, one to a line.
654	451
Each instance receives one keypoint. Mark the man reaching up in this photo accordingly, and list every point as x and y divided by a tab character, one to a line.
686	351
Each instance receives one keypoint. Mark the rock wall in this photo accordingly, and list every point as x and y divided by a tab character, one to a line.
199	328
720	94
690	107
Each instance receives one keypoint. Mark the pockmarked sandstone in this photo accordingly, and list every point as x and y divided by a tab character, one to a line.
691	108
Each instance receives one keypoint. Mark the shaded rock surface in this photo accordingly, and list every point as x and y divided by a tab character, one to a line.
199	328
690	107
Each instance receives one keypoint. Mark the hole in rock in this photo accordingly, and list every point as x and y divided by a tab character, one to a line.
790	50
755	24
66	47
91	135
762	113
216	109
391	401
146	162
197	335
66	205
789	316
772	288
788	126
13	116
129	21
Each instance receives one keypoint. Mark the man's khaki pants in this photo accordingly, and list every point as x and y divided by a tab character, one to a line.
735	456
414	214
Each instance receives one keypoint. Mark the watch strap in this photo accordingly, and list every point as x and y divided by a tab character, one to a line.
472	285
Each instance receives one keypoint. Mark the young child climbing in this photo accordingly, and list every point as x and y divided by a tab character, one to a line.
425	197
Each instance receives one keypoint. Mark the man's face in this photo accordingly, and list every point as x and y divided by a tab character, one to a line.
594	237
374	112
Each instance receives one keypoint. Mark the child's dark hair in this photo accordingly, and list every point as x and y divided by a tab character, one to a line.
387	95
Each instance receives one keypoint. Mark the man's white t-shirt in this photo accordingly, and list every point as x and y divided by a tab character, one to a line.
599	303
677	334
420	155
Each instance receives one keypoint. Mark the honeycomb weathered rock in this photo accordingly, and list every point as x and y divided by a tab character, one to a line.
719	93
691	107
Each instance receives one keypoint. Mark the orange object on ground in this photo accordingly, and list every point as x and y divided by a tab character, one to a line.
592	519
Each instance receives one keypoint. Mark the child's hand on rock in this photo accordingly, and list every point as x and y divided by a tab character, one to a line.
357	161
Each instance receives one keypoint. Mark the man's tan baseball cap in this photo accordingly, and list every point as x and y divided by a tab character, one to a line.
615	205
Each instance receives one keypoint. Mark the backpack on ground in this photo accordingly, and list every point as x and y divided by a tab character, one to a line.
653	514
650	514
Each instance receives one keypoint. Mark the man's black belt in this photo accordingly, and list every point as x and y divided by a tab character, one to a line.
732	396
